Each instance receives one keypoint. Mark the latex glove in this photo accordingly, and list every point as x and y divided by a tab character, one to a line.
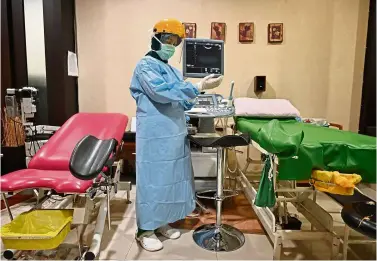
209	82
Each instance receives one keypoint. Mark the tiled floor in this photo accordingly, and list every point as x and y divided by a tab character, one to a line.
118	243
236	212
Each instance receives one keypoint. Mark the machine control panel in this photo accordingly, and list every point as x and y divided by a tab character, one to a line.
221	109
210	106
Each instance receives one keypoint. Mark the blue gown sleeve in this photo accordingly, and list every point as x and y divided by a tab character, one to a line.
158	90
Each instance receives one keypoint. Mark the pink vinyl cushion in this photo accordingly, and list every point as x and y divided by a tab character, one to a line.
56	153
61	181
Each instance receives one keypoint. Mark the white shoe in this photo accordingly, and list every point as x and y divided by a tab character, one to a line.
169	232
149	241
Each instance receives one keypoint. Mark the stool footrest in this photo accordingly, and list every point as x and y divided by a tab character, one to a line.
233	194
230	193
205	197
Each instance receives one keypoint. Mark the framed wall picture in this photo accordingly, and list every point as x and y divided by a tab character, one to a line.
275	33
218	31
190	30
246	32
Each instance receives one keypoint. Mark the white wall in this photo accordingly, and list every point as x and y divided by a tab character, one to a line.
317	67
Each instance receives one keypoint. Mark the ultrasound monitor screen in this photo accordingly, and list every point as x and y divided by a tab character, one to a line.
203	57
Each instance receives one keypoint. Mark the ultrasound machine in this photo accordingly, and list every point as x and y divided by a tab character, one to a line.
202	57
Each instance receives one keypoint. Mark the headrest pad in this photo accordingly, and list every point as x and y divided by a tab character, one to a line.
265	108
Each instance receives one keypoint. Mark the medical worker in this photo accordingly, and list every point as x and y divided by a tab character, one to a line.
164	177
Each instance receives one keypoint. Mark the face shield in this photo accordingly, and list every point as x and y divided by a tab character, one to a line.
165	44
175	40
171	39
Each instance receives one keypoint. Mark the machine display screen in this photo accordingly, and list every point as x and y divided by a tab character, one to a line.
203	57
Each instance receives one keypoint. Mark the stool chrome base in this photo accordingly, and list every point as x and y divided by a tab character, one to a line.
223	238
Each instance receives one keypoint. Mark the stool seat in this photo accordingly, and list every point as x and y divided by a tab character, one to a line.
223	142
361	216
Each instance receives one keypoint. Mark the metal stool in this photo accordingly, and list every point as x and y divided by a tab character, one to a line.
219	237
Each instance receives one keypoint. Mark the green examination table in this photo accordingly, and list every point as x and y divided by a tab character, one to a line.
302	147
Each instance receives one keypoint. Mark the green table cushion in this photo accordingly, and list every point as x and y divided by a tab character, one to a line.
321	148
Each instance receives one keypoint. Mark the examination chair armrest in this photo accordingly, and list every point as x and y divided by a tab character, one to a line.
90	156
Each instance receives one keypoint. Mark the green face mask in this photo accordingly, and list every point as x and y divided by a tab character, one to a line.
166	51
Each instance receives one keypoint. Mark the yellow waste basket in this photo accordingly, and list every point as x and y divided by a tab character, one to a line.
37	229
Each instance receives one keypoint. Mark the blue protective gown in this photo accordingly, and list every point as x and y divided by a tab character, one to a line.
164	176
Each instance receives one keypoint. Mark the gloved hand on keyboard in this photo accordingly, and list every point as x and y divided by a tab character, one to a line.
209	82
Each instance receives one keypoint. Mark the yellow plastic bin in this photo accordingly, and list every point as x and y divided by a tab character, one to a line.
37	229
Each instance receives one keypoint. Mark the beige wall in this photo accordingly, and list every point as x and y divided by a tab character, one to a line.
318	67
